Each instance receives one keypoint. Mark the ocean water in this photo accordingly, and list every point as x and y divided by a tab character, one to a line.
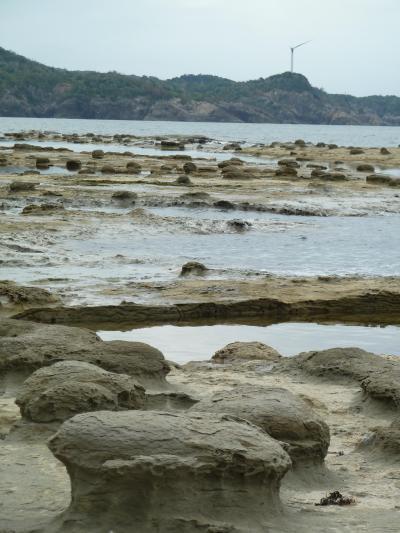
195	343
249	133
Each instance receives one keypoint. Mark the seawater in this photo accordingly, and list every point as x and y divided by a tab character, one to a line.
194	343
250	133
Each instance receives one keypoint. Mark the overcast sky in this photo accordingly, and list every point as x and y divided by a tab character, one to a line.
355	43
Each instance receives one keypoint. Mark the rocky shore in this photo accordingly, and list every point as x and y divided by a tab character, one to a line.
103	436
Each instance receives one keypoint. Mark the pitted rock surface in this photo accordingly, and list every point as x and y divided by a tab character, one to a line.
156	471
62	390
245	351
280	413
28	346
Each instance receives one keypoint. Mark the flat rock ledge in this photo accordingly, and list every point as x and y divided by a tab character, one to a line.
281	414
28	346
60	391
156	471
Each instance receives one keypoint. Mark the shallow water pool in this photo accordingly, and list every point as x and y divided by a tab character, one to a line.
193	343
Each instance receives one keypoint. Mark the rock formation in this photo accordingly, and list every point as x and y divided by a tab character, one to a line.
156	471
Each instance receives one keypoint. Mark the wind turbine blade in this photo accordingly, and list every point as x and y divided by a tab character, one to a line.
301	44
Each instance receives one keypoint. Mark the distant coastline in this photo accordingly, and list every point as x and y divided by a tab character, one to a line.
31	89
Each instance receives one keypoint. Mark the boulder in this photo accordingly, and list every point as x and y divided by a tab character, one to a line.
73	164
172	145
42	163
41	209
288	163
108	169
384	151
279	413
125	196
365	168
226	205
385	439
183	180
60	391
356	151
239	225
193	268
133	167
97	154
230	162
237	352
379	378
189	167
168	472
232	146
286	171
300	142
22	186
27	346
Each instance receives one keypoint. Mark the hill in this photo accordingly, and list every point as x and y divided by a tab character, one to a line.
31	89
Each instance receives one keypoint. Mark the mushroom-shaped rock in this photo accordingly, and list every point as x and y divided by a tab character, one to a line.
189	167
21	186
26	346
193	268
156	471
42	162
353	363
60	391
133	167
73	164
245	351
280	413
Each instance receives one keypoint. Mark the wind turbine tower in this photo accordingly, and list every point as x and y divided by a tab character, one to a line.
292	49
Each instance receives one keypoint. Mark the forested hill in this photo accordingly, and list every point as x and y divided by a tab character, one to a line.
30	89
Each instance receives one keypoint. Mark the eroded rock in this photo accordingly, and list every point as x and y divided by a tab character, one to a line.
156	471
28	346
236	352
280	413
60	391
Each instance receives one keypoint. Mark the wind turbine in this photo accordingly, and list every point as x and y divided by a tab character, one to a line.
292	49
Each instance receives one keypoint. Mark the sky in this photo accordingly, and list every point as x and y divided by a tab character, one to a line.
354	46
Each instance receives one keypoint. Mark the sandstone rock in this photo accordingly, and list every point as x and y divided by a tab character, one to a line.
60	391
97	154
379	378
384	151
73	164
183	180
230	162
286	171
41	209
133	167
239	225
365	168
172	145
155	471
189	167
42	162
381	179
232	146
300	142
280	413
28	346
356	151
245	351
25	295
288	163
224	204
108	169
125	196
22	186
387	439
193	268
